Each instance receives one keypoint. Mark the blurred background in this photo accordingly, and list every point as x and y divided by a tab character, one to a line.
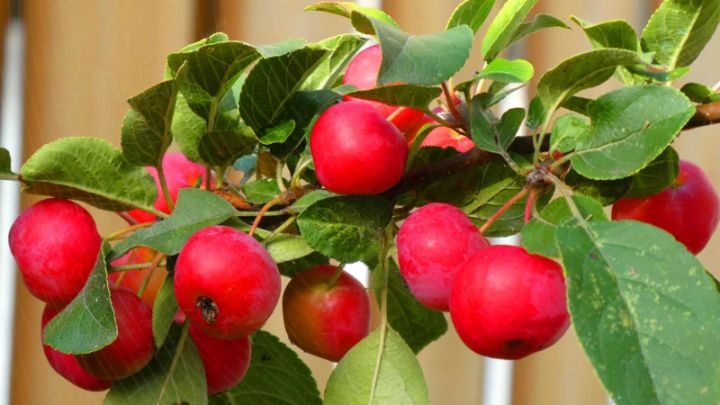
84	58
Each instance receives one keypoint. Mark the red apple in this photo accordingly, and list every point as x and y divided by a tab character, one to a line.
179	173
444	137
55	244
506	303
134	279
689	210
66	364
362	72
225	361
134	346
225	282
326	312
357	151
433	243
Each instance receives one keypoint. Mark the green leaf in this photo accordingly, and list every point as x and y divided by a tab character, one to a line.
472	13
261	191
699	93
188	129
416	146
577	104
272	83
276	376
417	324
507	71
679	30
163	311
605	191
212	39
348	229
5	169
642	305
292	267
287	248
332	66
223	147
502	30
566	131
538	236
211	72
578	73
282	47
381	369
346	9
406	95
309	199
490	134
421	59
91	310
629	128
89	170
195	209
175	375
613	34
277	134
541	21
146	129
660	174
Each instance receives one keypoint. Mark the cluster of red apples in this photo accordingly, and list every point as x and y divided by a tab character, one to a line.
504	302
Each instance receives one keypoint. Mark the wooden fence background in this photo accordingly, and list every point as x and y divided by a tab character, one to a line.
86	57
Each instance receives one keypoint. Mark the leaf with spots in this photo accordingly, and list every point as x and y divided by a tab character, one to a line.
89	170
276	376
348	229
643	306
91	310
629	128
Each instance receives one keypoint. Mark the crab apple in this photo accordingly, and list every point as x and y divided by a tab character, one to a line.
134	346
55	243
357	151
362	72
433	243
507	303
326	311
66	364
179	173
225	361
407	120
225	282
135	279
689	209
444	137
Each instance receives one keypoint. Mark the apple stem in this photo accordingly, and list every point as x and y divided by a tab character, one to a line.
451	104
134	266
509	203
279	229
335	278
383	306
124	215
153	266
122	232
164	186
265	208
529	206
208	177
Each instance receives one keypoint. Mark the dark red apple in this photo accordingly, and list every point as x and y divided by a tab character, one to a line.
225	361
326	312
66	364
134	346
689	210
356	150
506	303
433	243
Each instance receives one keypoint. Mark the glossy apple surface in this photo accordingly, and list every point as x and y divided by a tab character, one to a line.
507	303
325	312
689	210
433	243
225	282
356	150
55	244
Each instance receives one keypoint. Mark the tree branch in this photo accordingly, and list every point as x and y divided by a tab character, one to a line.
706	114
